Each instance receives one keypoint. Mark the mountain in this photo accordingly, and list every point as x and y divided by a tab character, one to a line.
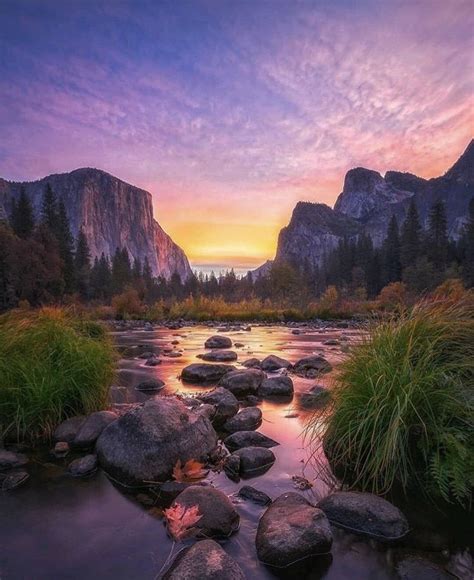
112	214
366	204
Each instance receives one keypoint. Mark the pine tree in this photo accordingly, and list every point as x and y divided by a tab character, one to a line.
392	268
22	217
101	278
468	243
410	237
82	265
437	247
49	209
66	247
137	269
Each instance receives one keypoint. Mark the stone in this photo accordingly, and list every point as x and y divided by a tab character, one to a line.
150	386
316	396
219	356
11	460
61	449
232	467
248	439
312	366
83	466
205	373
174	354
331	342
242	382
169	490
146	442
366	514
218	341
225	403
218	515
254	460
68	429
153	362
92	427
206	410
254	495
281	386
246	420
252	363
13	479
148	354
274	363
414	567
205	560
290	530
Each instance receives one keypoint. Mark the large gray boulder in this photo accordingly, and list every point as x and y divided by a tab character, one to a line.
219	356
218	515
243	382
273	363
224	401
254	460
145	443
218	341
204	373
248	419
276	387
290	530
311	366
366	514
92	427
205	560
248	439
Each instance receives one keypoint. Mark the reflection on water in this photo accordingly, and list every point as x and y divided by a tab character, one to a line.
59	527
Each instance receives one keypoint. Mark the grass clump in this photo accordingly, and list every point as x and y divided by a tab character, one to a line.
52	366
403	408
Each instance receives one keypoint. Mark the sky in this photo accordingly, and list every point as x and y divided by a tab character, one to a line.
231	111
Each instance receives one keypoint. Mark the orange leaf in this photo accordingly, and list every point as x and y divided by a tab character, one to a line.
192	470
181	520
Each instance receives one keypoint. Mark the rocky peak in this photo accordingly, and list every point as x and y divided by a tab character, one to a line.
463	170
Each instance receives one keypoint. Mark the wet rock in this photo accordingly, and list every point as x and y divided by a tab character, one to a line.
83	466
224	401
254	495
218	342
243	382
153	362
331	342
61	449
68	429
218	515
205	373
296	331
290	530
11	460
206	410
13	479
148	354
316	396
366	514
251	401
145	443
92	427
246	420
254	460
219	356
170	490
239	344
273	363
311	366
174	354
190	401
232	467
252	363
205	560
150	386
248	439
414	567
276	387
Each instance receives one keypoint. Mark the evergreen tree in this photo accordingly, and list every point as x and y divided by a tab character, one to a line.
82	265
49	209
410	237
468	244
101	278
22	217
137	269
121	270
66	247
392	268
437	236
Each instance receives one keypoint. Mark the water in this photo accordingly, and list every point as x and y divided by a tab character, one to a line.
59	527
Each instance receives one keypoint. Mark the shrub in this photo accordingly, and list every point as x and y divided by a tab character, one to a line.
127	305
52	366
403	410
392	295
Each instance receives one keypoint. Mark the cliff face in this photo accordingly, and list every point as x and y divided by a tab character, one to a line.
112	214
366	204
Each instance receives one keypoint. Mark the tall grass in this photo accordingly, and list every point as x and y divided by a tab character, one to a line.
52	366
403	405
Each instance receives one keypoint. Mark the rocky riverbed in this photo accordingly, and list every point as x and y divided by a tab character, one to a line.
237	399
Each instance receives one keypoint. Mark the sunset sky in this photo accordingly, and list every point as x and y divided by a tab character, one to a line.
230	111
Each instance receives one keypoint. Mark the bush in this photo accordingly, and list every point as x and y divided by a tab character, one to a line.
392	296
403	410
127	305
52	366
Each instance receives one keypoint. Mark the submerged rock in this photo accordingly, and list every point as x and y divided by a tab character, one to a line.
150	386
366	514
224	401
11	460
218	515
276	387
219	356
205	560
13	479
290	530
204	373
312	366
246	420
248	439
145	443
273	363
218	341
242	382
254	461
83	466
254	495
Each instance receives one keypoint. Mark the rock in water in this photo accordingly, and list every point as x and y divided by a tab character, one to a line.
224	401
252	363
312	364
248	439
276	387
203	373
316	396
92	427
13	479
254	461
145	443
11	460
68	429
150	386
218	341
366	514
413	567
218	515
242	382
290	530
247	420
273	363
219	356
83	466
255	495
205	560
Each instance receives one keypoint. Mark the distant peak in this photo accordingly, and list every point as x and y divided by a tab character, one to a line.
463	170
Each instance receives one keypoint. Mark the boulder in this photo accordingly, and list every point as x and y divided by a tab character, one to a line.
242	382
219	356
92	427
206	410
218	341
68	429
310	365
204	373
273	363
291	530
218	515
252	363
224	401
13	479
232	467
248	439
254	460
316	396
246	420
153	362
254	495
205	560
83	466
150	386
366	514
145	443
11	460
414	567
331	342
281	386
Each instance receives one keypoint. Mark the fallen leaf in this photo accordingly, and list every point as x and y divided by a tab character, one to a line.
192	470
181	520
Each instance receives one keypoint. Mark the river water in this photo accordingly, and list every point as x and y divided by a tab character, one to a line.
59	527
